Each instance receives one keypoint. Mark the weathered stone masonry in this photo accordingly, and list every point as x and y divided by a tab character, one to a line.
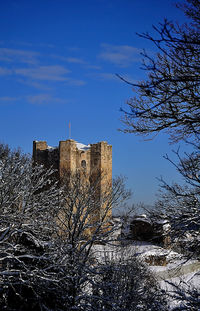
95	160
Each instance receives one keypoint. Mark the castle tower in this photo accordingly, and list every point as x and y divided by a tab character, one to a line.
94	161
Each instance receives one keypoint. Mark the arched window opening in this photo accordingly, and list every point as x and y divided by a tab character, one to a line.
83	164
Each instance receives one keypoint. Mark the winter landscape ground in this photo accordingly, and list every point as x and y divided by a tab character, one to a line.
178	272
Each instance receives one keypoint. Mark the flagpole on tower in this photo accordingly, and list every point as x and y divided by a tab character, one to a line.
69	130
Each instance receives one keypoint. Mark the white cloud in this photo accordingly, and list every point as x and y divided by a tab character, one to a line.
28	67
20	56
48	73
73	60
35	45
41	99
121	55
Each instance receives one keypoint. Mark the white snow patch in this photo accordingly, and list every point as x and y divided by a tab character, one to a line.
162	221
178	271
50	148
82	146
166	227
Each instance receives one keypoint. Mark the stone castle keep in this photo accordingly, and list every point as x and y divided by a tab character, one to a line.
92	161
71	156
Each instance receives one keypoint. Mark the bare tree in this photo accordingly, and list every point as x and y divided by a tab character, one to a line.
30	273
181	204
169	99
47	231
187	297
125	283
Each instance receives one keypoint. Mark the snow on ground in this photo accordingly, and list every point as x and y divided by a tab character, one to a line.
177	270
139	248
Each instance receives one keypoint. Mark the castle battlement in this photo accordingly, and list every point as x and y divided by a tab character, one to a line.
71	156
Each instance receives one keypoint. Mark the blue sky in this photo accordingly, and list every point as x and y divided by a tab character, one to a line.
58	60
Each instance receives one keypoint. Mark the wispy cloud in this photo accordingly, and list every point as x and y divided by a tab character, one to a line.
8	100
103	76
73	48
107	76
75	82
76	60
33	45
121	55
47	45
95	67
19	56
44	99
73	60
37	69
48	73
5	71
36	84
39	99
